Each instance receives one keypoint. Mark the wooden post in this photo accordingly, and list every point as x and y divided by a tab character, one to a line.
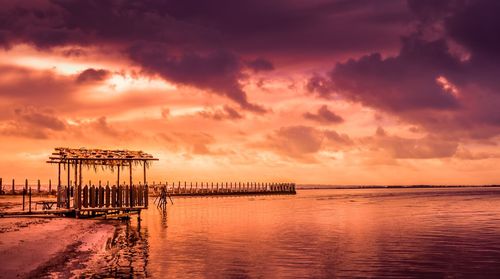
127	196
1	187
50	186
38	187
26	184
69	185
13	187
85	202
118	178
24	194
113	196
76	173
131	190
29	198
107	195
101	196
119	196
79	196
58	184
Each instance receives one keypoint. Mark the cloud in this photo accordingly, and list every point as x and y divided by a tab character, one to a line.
443	78
92	75
260	65
324	115
226	113
466	154
201	44
32	122
338	140
191	143
396	147
37	88
40	119
219	72
296	142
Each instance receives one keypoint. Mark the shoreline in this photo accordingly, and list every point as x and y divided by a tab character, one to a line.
52	247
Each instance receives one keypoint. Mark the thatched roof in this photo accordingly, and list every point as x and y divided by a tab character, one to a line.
95	157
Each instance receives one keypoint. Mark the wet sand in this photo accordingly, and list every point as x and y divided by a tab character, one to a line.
50	247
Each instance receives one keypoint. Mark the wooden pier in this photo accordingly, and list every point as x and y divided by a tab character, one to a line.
73	198
224	188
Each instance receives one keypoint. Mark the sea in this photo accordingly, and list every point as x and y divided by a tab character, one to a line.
432	232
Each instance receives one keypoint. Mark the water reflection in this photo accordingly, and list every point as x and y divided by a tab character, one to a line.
318	233
127	255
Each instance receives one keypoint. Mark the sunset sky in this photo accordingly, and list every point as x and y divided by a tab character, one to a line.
330	92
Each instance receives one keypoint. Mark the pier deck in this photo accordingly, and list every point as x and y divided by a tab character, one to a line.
224	189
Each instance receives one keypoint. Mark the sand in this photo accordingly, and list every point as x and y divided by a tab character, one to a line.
51	247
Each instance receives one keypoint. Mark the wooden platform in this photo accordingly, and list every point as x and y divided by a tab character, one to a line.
75	212
225	189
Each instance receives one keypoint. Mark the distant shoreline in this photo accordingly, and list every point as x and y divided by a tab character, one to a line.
348	187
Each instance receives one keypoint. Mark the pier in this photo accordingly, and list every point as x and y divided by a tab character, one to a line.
74	198
224	188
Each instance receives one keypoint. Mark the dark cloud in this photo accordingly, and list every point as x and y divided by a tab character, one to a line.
205	44
93	75
322	86
219	71
308	28
401	83
226	113
324	115
260	65
444	78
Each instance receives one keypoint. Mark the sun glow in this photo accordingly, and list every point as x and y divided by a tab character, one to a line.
121	83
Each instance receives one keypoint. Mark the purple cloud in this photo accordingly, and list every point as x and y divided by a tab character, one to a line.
324	115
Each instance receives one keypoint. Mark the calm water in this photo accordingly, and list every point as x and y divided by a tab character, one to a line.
317	233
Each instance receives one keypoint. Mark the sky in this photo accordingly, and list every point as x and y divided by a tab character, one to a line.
313	92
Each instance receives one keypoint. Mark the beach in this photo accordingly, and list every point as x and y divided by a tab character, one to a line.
47	247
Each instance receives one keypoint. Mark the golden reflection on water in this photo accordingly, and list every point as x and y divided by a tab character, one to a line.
323	233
